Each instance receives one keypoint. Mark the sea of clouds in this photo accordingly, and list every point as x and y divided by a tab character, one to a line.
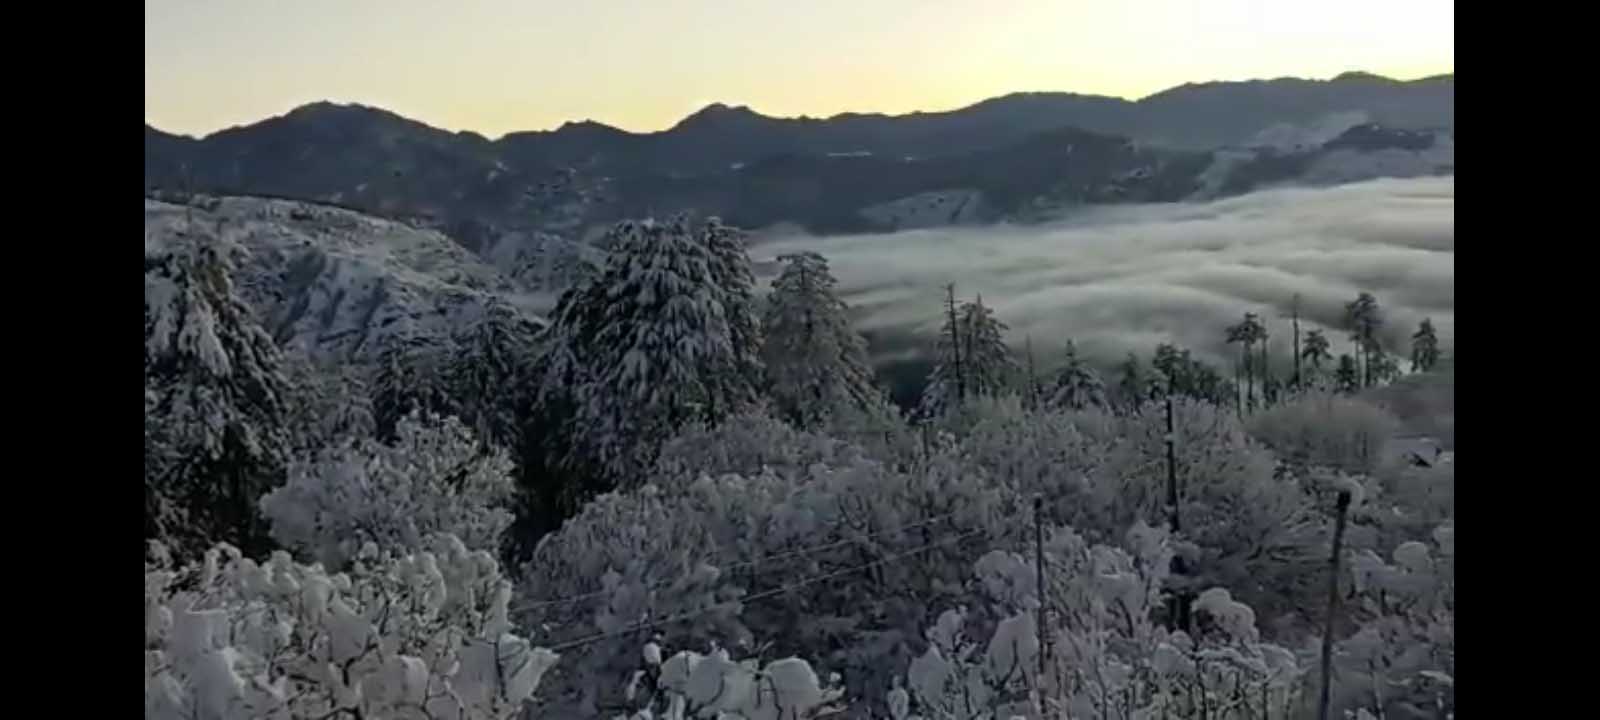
1117	279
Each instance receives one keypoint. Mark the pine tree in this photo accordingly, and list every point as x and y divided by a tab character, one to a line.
643	350
1077	385
1363	318
991	368
489	373
1317	350
1424	347
215	402
735	281
1131	382
1247	333
1173	365
973	359
816	364
1347	379
412	375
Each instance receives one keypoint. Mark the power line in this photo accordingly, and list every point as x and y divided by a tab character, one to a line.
580	642
750	563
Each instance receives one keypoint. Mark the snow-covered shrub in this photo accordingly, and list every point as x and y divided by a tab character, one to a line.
436	477
1105	656
423	635
1242	526
871	547
691	685
1401	660
749	444
1328	430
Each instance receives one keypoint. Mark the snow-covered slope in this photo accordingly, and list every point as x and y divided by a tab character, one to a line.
334	283
930	209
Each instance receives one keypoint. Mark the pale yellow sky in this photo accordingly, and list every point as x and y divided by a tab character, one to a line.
496	66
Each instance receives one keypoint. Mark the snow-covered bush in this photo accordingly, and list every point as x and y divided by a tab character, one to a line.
1105	656
870	547
749	444
1242	526
1401	660
423	635
1328	430
436	477
691	685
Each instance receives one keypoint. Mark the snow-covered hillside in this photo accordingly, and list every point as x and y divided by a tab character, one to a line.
334	283
931	209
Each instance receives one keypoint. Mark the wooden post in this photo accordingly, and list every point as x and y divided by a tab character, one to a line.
1333	606
1038	570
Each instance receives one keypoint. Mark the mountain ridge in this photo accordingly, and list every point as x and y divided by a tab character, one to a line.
1348	76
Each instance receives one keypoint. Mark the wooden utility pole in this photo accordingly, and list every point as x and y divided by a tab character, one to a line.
1178	604
1038	577
1333	605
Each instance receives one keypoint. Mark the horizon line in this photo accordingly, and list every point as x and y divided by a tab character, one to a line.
974	103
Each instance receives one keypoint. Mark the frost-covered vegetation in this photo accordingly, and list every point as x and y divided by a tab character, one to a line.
680	499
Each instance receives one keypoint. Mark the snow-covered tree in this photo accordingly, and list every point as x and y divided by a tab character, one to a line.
1077	385
974	359
1347	379
815	361
990	366
1424	347
1133	383
1105	657
1317	350
725	550
749	444
489	375
435	478
328	403
401	635
644	349
947	384
735	281
215	400
412	375
1327	430
1363	318
1401	660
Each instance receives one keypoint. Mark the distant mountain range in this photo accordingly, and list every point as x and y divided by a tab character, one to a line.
1011	158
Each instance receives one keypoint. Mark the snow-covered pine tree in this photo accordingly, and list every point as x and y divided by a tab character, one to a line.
1363	318
1347	379
1077	385
947	384
816	364
1132	382
215	436
990	366
643	350
974	360
411	376
489	373
1424	347
735	281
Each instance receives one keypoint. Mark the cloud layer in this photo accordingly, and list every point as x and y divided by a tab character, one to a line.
1125	278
